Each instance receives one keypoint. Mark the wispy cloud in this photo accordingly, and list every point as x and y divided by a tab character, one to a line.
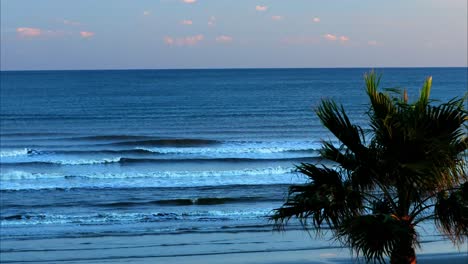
372	43
71	23
86	34
212	21
185	41
261	8
186	22
146	13
189	1
28	32
316	20
277	18
169	40
223	39
344	38
330	37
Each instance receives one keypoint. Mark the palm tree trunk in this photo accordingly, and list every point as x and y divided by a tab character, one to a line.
404	252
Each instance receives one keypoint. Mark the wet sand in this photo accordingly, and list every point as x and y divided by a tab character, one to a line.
227	248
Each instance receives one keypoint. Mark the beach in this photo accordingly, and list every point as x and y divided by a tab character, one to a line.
245	247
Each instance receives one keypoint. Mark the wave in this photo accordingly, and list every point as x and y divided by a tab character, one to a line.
67	162
15	152
168	142
127	161
112	137
190	201
113	218
22	175
207	160
212	200
226	150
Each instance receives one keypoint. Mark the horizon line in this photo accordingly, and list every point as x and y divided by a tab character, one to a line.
232	68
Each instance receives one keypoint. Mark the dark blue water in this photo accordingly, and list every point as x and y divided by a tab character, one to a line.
158	151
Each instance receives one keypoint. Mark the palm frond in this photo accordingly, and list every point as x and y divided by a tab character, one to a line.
327	199
375	236
337	121
451	213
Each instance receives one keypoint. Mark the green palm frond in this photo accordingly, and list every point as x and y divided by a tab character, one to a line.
337	121
342	156
326	199
424	94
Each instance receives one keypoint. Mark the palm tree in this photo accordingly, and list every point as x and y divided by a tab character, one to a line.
412	168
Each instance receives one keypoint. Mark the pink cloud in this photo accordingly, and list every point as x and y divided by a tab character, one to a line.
316	20
372	43
344	38
186	22
28	32
169	40
330	37
86	34
223	39
277	18
185	41
189	1
261	8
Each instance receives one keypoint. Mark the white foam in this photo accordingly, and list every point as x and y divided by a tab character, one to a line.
86	162
103	218
14	153
238	148
261	176
18	175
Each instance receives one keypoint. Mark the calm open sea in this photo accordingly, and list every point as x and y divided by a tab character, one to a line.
96	153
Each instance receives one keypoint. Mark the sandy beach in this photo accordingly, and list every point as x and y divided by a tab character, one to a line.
243	247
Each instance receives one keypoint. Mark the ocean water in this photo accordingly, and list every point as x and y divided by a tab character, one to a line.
98	153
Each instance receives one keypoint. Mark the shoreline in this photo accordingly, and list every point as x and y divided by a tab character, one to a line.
294	247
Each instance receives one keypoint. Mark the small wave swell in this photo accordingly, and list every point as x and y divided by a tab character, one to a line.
168	142
113	218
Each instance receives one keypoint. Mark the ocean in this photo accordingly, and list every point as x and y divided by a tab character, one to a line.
169	152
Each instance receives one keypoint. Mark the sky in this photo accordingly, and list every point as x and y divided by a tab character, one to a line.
166	34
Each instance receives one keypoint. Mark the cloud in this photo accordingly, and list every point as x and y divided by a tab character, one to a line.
277	18
186	22
316	20
330	37
28	32
189	1
86	34
212	21
146	13
223	39
169	40
71	23
185	41
261	8
372	43
344	38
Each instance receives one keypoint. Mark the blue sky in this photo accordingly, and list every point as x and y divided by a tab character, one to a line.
126	34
